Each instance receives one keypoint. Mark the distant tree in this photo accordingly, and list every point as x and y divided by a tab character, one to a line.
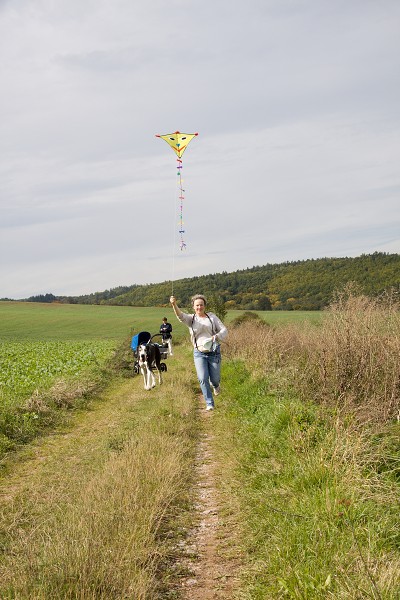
263	303
216	305
42	298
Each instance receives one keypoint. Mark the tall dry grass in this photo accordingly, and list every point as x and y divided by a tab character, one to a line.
110	544
112	536
351	361
355	361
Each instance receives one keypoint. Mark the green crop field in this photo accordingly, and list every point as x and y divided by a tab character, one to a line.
28	366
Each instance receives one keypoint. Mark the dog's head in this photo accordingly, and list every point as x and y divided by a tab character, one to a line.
142	353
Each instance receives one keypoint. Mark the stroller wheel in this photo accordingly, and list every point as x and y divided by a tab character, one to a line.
163	367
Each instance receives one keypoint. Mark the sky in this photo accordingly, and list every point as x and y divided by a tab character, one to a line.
297	107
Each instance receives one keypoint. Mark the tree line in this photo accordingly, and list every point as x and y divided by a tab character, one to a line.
296	285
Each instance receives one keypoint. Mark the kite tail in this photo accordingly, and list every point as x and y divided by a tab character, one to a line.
181	197
182	243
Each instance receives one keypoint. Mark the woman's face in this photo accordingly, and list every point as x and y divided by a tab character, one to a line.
199	307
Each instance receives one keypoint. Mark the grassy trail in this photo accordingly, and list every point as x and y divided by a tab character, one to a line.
103	509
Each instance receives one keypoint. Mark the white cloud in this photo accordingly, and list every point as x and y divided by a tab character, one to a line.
296	105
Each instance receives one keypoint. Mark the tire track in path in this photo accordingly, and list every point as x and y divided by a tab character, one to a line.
213	570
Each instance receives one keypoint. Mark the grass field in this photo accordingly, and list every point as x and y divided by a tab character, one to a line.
36	321
309	481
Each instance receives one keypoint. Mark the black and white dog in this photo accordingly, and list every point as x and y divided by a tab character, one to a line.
149	356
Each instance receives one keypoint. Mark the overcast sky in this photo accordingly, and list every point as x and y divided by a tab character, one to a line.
296	103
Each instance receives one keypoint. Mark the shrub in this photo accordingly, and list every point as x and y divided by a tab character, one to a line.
351	362
354	360
246	317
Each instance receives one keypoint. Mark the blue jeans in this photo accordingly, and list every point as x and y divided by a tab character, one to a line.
208	369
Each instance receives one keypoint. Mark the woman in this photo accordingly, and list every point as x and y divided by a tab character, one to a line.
206	331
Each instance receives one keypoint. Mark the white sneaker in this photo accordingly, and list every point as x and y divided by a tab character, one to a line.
210	408
217	390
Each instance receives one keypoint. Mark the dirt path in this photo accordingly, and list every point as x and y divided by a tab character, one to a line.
213	570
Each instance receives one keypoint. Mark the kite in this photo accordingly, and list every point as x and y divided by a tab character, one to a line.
179	142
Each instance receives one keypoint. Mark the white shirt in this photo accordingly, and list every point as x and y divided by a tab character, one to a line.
203	328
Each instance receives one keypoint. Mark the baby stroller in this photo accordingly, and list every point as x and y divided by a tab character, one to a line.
144	337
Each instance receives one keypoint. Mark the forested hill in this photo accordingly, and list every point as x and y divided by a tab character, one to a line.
298	285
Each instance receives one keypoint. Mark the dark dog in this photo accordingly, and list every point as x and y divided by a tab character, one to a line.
149	357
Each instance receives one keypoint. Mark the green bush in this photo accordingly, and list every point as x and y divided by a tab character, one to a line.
246	317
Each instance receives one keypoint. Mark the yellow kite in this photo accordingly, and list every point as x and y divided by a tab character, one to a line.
178	141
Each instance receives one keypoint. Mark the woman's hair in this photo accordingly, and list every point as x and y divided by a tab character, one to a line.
198	297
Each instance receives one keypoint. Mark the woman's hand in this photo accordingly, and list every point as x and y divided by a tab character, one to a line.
177	310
